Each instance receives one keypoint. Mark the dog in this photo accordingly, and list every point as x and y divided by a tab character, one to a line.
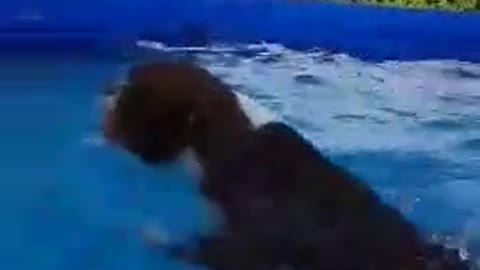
284	205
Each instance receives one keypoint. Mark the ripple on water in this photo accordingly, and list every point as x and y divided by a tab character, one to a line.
324	58
302	124
221	59
459	123
269	58
350	118
463	100
471	144
398	169
377	78
461	73
400	113
308	79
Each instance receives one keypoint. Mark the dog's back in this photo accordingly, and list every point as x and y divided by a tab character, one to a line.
287	205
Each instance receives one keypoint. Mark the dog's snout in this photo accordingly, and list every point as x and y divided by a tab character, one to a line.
111	93
113	88
108	101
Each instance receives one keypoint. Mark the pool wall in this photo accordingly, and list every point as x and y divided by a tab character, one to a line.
370	33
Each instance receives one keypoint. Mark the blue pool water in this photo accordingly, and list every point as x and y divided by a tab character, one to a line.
411	129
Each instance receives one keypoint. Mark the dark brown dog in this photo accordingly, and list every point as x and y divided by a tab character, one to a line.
285	206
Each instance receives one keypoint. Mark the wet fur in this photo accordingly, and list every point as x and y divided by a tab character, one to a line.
285	205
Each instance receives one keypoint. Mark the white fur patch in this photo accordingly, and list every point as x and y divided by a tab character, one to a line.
191	161
110	101
258	114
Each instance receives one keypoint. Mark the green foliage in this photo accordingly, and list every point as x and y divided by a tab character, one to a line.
453	5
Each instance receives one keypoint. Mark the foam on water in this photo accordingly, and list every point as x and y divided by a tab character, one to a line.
257	113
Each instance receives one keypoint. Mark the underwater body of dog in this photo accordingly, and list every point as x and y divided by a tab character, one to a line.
284	205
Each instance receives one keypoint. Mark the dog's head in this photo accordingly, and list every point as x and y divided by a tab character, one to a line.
163	108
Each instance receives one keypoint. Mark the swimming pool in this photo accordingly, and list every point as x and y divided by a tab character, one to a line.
411	129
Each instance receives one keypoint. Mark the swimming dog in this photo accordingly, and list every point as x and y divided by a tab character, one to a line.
284	204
